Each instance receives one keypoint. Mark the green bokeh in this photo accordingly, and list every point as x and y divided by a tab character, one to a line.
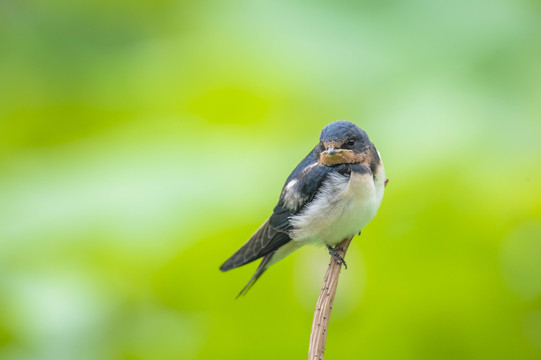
141	143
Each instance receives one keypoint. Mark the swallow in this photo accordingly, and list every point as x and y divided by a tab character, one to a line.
333	193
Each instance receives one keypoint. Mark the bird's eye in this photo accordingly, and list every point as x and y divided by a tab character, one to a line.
350	142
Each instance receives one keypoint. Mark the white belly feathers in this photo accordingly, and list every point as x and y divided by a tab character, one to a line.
342	207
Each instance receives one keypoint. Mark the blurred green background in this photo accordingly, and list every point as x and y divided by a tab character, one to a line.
141	143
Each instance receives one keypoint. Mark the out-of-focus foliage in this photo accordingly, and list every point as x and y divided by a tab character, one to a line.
141	143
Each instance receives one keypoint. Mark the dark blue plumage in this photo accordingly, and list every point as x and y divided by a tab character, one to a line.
340	130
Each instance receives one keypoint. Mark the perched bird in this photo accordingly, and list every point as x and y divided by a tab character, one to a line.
331	195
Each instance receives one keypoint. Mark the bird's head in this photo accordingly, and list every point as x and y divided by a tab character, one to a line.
342	142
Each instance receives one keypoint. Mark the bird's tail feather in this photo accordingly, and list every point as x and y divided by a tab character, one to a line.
260	270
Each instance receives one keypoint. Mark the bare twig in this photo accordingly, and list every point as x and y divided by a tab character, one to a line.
322	313
318	336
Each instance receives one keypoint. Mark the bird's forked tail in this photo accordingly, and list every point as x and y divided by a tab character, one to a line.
259	271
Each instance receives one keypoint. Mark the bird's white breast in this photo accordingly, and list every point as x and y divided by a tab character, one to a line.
341	208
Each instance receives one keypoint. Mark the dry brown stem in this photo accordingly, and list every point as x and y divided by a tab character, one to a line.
320	325
323	309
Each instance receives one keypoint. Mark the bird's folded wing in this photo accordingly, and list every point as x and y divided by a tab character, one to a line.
265	240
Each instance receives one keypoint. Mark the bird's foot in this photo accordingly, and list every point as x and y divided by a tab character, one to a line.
339	259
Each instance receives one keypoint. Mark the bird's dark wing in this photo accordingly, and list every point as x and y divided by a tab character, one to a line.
264	241
299	189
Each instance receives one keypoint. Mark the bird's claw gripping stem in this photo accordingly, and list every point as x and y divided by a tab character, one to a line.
339	259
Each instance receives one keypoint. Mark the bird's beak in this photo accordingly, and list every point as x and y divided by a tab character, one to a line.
333	151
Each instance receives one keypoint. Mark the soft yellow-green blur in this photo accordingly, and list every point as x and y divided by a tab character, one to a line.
142	143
